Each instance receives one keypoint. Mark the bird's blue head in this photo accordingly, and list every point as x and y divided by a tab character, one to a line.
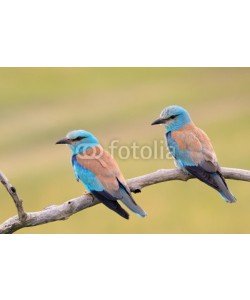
79	141
173	118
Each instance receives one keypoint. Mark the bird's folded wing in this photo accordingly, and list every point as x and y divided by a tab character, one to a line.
195	144
105	168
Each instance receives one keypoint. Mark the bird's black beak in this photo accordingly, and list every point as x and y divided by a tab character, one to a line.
63	141
158	121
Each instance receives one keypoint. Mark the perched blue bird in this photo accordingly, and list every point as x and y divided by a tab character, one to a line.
99	172
192	149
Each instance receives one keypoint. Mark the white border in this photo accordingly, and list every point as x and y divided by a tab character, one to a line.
125	267
124	33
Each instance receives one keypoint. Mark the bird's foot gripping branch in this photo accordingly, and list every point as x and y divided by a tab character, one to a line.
70	207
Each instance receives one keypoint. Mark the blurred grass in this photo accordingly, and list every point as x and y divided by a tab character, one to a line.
39	105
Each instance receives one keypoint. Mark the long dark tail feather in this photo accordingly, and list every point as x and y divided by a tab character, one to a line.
223	189
111	203
215	180
128	200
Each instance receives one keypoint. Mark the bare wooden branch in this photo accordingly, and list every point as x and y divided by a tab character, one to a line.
13	193
68	208
176	174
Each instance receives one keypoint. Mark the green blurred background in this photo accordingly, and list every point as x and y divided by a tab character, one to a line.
40	105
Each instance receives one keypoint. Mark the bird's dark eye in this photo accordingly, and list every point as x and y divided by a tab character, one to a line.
172	117
77	139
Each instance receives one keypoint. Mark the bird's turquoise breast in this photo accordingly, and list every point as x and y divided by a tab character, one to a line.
181	157
88	178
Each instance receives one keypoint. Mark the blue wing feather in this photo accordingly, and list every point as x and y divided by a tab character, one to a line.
88	178
94	186
203	171
181	157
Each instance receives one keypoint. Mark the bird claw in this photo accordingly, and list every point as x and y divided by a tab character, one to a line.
88	194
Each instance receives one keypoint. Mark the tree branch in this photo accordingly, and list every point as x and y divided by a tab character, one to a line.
68	208
13	193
